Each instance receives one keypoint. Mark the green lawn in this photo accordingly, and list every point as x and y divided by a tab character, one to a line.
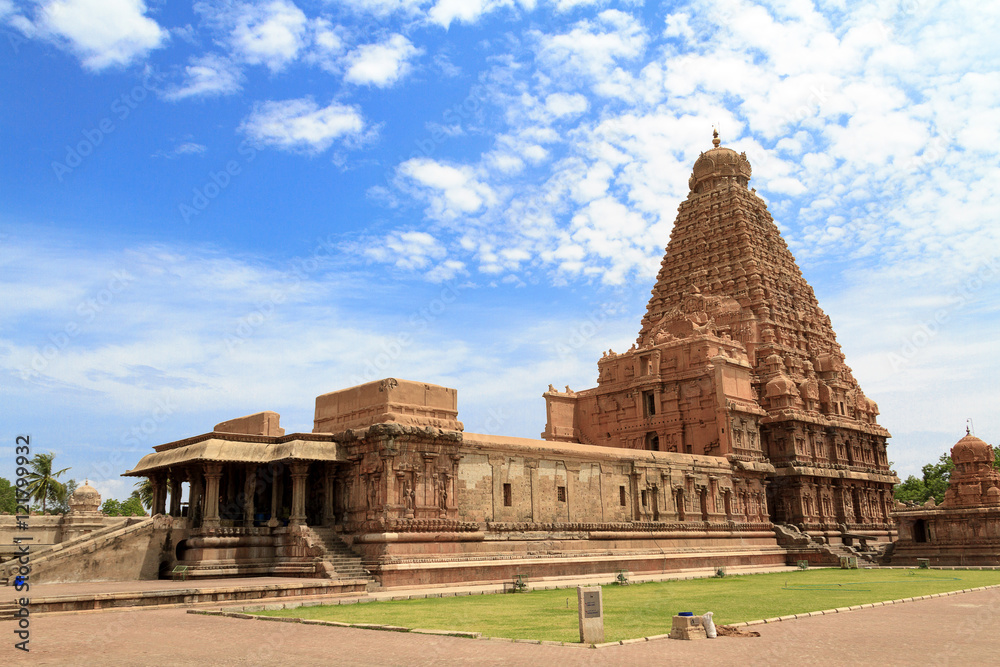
646	609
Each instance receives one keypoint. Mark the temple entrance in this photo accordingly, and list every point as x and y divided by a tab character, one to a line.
919	531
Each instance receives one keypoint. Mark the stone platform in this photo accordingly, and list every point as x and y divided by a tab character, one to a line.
49	598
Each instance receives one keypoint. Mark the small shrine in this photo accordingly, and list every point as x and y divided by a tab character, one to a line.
965	528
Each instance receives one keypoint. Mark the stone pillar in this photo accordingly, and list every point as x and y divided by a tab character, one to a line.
329	472
159	494
249	494
277	474
341	495
669	510
176	479
229	497
430	490
299	473
496	475
213	473
196	497
532	466
572	474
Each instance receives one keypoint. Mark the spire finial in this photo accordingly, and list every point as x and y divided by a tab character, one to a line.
715	138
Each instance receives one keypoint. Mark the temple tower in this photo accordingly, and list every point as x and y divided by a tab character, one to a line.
734	347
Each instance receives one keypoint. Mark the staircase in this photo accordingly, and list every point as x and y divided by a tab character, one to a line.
341	561
792	538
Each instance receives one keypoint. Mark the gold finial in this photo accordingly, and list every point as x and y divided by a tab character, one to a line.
715	138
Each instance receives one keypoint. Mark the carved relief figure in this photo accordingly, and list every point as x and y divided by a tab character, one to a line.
408	496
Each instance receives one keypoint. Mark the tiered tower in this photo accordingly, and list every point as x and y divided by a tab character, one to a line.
735	358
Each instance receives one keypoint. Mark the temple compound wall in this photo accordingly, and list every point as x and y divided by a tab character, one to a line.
422	504
965	528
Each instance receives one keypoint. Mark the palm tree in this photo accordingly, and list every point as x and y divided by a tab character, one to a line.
144	491
42	482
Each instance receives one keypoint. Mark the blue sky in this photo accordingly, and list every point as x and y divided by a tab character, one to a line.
214	208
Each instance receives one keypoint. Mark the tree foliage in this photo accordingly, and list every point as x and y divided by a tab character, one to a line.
130	507
933	482
8	499
61	505
43	482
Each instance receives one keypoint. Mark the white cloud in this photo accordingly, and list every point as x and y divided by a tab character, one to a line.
563	105
569	5
102	33
452	191
381	64
186	148
444	12
677	26
271	33
302	125
407	250
207	76
386	7
594	50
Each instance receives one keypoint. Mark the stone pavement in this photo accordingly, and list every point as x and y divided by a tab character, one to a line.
948	630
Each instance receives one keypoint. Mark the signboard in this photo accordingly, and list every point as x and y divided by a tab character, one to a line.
591	604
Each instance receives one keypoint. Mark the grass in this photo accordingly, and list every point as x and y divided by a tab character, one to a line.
646	609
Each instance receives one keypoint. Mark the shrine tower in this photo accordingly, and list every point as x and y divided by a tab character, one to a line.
735	358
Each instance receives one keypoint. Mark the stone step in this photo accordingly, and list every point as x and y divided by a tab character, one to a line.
339	556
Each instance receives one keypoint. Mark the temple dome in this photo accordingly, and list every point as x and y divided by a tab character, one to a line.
971	449
85	499
719	166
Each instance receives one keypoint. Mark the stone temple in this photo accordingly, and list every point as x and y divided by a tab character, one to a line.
731	433
964	530
736	359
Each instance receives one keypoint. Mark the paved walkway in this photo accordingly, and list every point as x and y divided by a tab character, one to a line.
958	629
955	629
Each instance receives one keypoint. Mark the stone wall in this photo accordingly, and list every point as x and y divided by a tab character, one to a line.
424	506
45	530
132	552
967	536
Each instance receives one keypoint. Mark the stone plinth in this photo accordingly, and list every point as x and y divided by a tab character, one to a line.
387	401
590	605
